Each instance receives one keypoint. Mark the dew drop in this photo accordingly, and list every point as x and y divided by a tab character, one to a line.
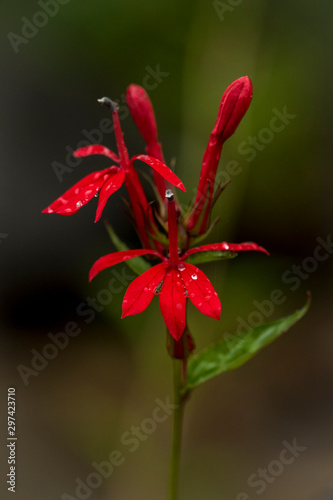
181	267
226	246
96	195
79	204
178	283
146	289
200	304
192	295
125	301
194	277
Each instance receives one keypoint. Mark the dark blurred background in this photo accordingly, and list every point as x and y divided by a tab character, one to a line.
73	408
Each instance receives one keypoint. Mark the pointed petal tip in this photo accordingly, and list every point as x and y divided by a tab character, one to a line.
98	216
262	249
176	334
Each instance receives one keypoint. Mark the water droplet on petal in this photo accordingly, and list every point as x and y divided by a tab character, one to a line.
146	289
125	301
208	297
200	304
194	277
79	204
226	246
181	267
192	295
96	195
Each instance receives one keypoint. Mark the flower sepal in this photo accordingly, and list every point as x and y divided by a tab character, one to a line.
194	219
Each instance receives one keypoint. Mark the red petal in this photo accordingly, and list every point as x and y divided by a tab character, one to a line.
141	291
234	104
231	247
162	169
112	184
142	112
200	291
96	149
114	258
78	195
173	303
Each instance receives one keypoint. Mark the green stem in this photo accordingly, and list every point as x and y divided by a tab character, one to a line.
177	429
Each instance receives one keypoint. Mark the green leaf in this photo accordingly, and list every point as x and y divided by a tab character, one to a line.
233	352
201	257
138	265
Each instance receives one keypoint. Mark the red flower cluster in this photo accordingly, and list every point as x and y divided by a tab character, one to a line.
105	182
165	231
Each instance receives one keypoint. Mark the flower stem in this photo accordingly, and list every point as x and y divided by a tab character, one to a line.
177	429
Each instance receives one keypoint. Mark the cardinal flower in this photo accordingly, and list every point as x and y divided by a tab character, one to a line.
142	112
105	182
174	280
233	106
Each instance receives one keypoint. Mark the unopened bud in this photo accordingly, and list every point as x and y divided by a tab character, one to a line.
233	106
142	112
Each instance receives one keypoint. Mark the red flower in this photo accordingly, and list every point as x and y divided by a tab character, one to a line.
142	112
233	106
179	279
105	182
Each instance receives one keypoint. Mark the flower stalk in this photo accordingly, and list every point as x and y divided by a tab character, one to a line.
177	427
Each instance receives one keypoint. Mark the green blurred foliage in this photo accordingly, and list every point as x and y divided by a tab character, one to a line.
109	377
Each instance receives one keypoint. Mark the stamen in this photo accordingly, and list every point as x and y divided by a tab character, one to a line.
111	105
169	195
172	228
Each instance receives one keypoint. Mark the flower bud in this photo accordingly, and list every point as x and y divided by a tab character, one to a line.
234	104
143	115
142	112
